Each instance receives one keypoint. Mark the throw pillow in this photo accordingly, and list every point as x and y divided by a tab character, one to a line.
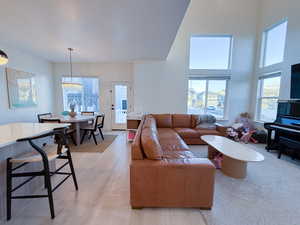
206	121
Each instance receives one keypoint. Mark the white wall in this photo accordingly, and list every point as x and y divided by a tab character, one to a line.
272	12
162	86
42	69
106	72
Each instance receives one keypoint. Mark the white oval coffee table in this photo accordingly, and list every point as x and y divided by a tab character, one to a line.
235	155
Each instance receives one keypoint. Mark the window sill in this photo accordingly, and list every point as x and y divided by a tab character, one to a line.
259	124
259	121
222	120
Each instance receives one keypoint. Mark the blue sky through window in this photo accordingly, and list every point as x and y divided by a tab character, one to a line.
210	52
275	44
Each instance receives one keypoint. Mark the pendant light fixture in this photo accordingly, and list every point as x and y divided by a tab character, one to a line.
3	58
71	84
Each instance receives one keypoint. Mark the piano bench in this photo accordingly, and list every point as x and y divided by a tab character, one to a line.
287	143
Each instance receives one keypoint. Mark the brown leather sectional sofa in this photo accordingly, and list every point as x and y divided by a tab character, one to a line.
163	172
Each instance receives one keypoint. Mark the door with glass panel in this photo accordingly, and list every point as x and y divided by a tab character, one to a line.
119	106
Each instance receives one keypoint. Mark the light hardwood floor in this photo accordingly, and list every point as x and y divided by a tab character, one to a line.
103	196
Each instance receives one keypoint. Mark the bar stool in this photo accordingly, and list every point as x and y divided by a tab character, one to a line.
43	154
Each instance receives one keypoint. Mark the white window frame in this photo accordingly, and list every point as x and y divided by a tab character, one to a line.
264	44
212	71
269	71
207	79
80	76
260	92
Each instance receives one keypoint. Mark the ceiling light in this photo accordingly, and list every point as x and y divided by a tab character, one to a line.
71	84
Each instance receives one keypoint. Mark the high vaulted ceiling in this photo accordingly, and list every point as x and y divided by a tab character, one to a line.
98	30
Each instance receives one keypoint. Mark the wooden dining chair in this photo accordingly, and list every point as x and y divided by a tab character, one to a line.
88	113
43	155
92	129
43	115
70	132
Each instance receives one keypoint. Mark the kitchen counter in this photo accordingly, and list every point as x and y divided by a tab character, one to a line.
10	133
9	147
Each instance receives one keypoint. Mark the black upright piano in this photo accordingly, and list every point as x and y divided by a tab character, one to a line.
284	132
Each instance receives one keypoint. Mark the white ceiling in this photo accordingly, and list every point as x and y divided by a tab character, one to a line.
99	30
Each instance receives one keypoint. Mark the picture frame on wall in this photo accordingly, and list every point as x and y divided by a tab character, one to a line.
21	87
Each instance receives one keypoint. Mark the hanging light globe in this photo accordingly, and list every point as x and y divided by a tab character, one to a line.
71	84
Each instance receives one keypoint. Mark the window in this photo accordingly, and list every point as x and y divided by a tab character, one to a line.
210	52
274	44
85	98
207	96
268	93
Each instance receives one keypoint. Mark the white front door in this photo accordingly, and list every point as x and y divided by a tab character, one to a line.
119	106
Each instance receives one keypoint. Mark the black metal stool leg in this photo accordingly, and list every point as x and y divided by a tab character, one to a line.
45	182
72	169
8	188
49	189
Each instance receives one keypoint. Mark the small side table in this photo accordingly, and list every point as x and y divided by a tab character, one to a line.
133	122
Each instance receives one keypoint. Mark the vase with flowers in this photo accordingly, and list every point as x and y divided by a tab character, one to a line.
72	113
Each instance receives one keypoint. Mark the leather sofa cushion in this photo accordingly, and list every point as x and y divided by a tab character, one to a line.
187	132
194	120
136	147
178	155
170	140
195	133
150	123
182	120
163	120
194	141
208	132
151	145
172	183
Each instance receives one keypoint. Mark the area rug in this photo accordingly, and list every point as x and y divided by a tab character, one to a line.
269	195
89	145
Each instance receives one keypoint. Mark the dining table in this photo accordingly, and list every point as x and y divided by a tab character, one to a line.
74	121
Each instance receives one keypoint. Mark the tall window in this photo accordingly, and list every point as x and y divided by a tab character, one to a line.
268	93
272	57
85	98
207	96
274	44
210	52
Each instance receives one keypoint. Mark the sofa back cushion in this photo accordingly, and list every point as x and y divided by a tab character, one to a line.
206	121
163	120
194	120
150	143
182	121
150	122
136	147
